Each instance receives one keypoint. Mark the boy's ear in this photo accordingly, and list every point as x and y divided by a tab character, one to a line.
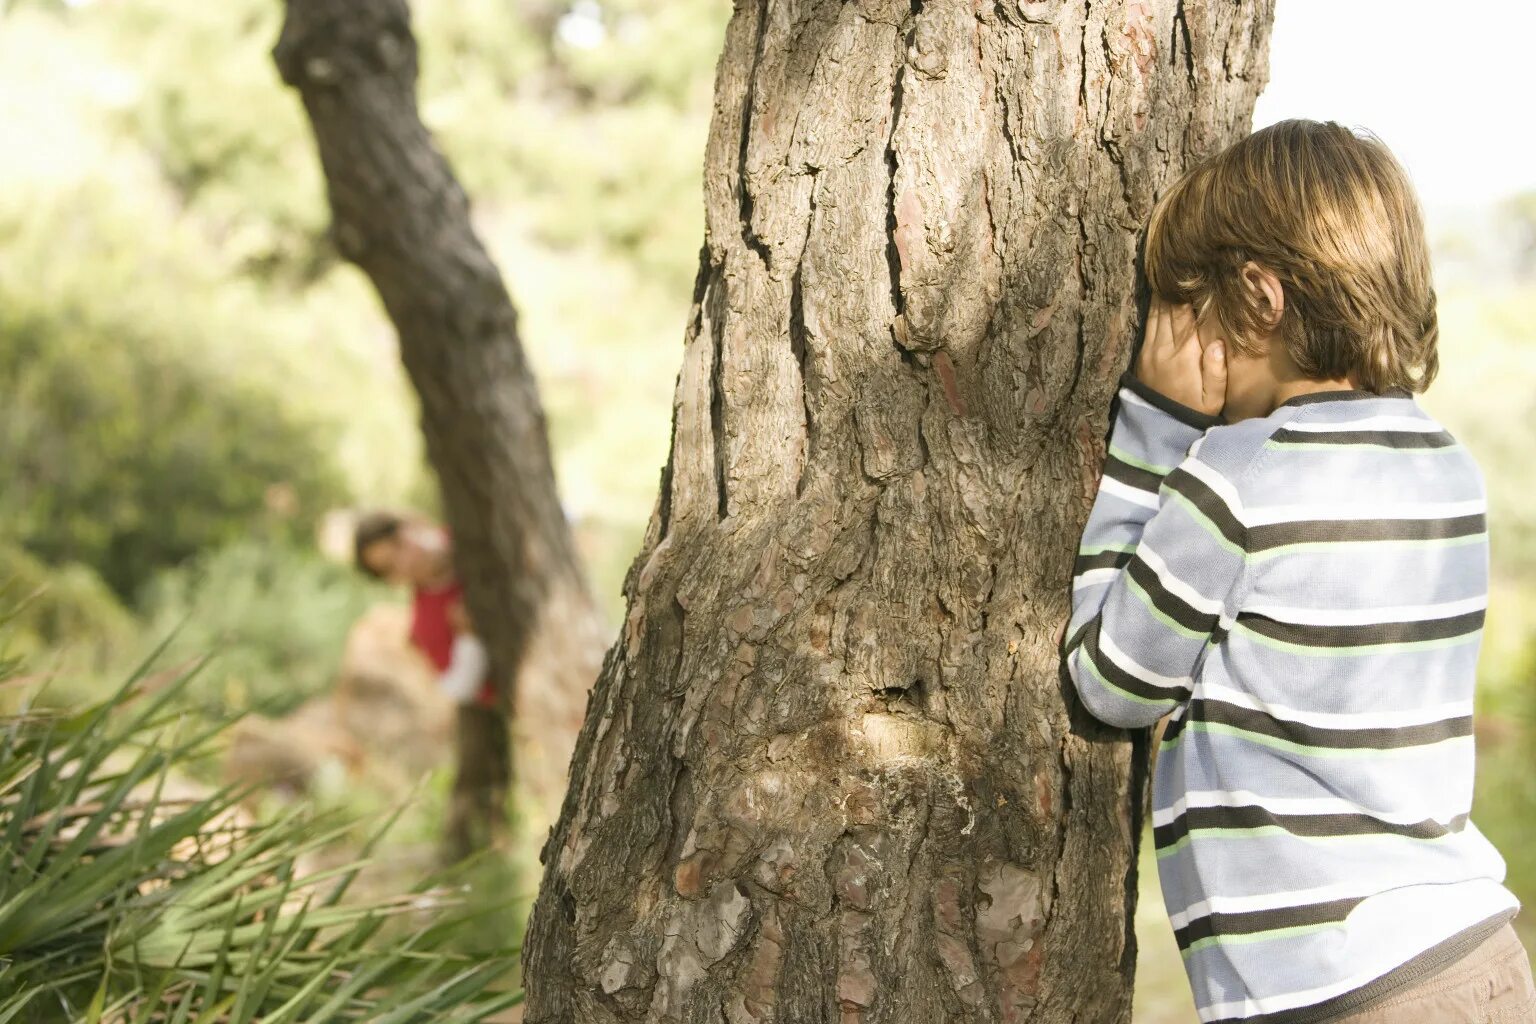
1265	286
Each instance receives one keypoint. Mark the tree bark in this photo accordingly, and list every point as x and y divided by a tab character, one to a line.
829	771
400	215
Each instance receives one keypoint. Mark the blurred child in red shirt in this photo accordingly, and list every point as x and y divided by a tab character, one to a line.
419	554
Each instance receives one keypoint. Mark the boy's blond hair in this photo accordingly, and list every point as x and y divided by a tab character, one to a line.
1333	215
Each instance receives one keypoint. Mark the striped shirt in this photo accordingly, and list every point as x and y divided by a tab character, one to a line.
1302	594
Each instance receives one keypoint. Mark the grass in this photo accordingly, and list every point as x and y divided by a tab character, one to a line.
128	897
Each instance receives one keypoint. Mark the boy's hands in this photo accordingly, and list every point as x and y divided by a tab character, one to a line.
1173	364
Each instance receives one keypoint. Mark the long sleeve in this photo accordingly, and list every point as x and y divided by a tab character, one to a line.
1159	562
466	670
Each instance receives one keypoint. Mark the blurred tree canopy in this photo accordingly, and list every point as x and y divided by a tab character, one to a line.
189	362
128	451
1519	215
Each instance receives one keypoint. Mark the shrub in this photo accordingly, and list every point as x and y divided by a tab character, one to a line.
122	902
129	458
276	614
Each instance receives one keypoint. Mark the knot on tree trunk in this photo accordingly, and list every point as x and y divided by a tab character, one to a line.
326	43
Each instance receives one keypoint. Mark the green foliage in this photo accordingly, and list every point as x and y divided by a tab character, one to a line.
160	181
221	133
1503	808
1484	395
1518	216
1487	350
275	614
568	134
122	901
128	458
63	608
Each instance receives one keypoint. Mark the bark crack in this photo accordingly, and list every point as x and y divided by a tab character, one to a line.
892	161
1181	28
914	896
695	324
1141	741
717	415
922	438
797	344
1079	356
1082	85
748	236
1063	822
986	599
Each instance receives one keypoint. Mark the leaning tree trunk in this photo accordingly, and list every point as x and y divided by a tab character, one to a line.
400	215
829	771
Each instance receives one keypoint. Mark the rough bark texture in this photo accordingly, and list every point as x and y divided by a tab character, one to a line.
829	771
400	215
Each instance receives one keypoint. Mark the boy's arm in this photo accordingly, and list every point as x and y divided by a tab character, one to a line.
1160	555
468	662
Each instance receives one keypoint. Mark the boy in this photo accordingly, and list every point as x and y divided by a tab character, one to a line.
388	547
1288	557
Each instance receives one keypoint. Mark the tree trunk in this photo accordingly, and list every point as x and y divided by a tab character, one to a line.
829	772
400	215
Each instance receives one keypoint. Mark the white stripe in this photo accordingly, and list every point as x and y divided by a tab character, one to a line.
1354	889
1218	483
1286	805
1272	900
1130	397
1368	616
1340	720
1383	956
1269	514
1094	577
1175	586
1406	424
1273	1004
1131	666
1125	492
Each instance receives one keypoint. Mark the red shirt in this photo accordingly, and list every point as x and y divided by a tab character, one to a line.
432	631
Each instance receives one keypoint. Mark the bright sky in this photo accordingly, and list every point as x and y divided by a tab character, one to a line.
1447	86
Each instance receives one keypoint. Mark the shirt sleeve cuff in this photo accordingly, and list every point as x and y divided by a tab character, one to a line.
1184	414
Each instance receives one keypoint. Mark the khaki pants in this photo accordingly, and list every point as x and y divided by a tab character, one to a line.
1490	985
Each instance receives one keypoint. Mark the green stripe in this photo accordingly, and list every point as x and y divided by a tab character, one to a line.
1132	460
1265	936
1230	833
1308	545
1101	548
1205	522
1276	830
1337	447
1265	740
1319	651
1082	656
1146	599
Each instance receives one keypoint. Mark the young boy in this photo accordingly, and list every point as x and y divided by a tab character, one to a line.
417	554
1288	557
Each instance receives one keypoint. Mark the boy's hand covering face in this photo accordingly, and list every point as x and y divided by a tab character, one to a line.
1173	363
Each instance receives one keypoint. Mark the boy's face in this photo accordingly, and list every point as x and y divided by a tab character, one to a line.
382	558
411	557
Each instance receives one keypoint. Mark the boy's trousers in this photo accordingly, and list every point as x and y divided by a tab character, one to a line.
1490	985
